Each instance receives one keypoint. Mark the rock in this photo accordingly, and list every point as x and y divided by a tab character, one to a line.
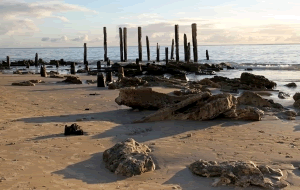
253	99
291	85
112	86
296	96
91	81
283	95
82	71
248	114
297	104
73	80
145	98
179	76
36	81
74	129
17	72
290	113
24	83
57	76
258	81
182	66
155	69
248	69
128	158
238	173
209	83
184	92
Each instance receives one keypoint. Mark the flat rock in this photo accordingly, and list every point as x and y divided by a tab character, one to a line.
257	80
73	80
24	83
291	85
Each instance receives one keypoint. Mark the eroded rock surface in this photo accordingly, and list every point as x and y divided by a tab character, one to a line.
73	80
128	158
24	83
258	81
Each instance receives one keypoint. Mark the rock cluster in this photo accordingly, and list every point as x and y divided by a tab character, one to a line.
73	80
74	129
128	158
127	82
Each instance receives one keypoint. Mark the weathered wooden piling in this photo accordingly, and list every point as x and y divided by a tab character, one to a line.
87	68
172	50
157	53
98	65
57	64
177	41
188	58
108	62
36	60
85	54
195	43
207	55
105	43
125	43
73	70
43	71
185	47
121	45
167	55
140	43
100	80
62	62
8	61
109	76
137	61
121	73
148	48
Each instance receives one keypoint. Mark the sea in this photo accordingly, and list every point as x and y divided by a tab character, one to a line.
280	63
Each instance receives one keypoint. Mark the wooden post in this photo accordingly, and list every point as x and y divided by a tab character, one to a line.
98	65
140	43
109	76
188	58
85	55
62	62
121	45
121	73
157	53
125	43
207	55
148	48
167	56
172	50
36	60
177	42
8	61
105	43
57	64
100	80
73	70
185	47
108	62
195	43
137	61
43	71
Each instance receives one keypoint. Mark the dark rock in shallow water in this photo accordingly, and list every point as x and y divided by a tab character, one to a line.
291	85
296	96
258	81
248	69
128	158
283	95
74	129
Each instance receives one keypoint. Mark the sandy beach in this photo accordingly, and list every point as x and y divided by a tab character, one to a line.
34	153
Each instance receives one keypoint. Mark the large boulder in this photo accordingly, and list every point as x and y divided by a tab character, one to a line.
248	113
208	82
253	99
128	158
291	85
146	98
238	173
257	81
297	104
296	96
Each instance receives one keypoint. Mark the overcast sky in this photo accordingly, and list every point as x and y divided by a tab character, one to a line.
70	23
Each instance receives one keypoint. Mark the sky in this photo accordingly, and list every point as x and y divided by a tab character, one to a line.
70	23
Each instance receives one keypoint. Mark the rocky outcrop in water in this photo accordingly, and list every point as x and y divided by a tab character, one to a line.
291	85
257	81
128	158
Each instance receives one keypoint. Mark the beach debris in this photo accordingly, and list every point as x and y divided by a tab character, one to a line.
73	80
74	129
146	98
248	69
239	173
291	85
91	81
18	72
24	83
258	81
283	95
128	158
82	71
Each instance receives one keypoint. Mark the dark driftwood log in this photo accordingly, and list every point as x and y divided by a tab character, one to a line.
73	70
195	44
172	50
185	47
148	48
100	80
167	55
125	43
177	42
207	55
85	55
140	43
36	60
157	53
105	43
121	45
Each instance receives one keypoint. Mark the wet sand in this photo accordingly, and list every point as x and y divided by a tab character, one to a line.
34	153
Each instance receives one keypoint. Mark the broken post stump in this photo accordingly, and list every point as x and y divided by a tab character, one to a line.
105	43
195	44
121	44
207	55
43	71
73	71
85	54
167	56
148	48
137	61
157	53
177	42
121	73
36	60
108	62
62	62
57	64
140	43
87	67
188	57
109	76
8	61
125	43
172	50
100	80
185	47
98	65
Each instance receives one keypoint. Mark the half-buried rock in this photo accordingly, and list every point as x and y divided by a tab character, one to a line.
74	129
24	83
73	80
128	158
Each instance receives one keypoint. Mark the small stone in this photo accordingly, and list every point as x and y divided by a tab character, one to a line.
189	135
87	109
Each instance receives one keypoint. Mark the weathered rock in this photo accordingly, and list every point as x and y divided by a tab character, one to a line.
257	80
91	81
155	69
18	72
290	113
238	173
210	83
145	98
73	80
247	113
189	67
128	158
253	99
36	81
112	86
74	129
24	83
82	71
184	92
57	76
283	95
291	85
297	104
179	76
296	96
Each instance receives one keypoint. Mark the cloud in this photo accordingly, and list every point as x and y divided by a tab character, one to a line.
45	39
61	39
18	17
84	38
